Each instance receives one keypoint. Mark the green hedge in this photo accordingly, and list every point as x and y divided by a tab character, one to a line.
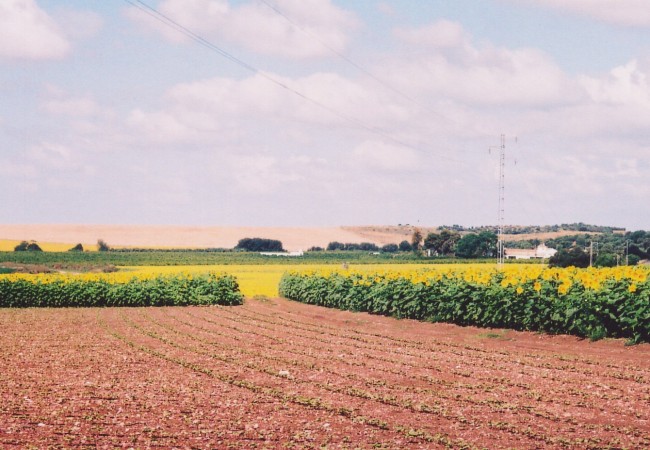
208	289
612	311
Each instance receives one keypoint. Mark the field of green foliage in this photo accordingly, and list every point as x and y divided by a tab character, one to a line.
593	303
121	289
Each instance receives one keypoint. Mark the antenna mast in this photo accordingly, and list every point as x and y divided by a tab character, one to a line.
501	248
502	199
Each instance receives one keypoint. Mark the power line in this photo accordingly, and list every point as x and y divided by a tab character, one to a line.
166	20
354	64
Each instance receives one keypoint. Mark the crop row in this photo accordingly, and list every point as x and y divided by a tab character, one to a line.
274	372
266	382
213	257
69	291
591	303
394	360
595	304
393	401
430	352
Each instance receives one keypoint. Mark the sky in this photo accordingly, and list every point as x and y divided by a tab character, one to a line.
324	112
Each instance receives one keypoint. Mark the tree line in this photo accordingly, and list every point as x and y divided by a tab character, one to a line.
404	246
531	229
447	243
606	249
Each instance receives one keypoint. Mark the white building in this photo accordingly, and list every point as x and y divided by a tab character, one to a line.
540	252
288	254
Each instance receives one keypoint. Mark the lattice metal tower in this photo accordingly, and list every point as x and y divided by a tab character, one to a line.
502	199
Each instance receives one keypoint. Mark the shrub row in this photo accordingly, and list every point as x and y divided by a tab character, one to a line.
175	290
619	308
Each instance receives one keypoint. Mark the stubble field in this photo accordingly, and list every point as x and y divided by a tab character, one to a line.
278	374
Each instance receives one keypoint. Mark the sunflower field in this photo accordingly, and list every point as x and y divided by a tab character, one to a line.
118	289
593	303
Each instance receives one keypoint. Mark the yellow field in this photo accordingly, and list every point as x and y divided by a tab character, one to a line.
264	279
253	280
7	245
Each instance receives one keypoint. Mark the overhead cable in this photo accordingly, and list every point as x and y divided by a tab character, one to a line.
354	64
161	17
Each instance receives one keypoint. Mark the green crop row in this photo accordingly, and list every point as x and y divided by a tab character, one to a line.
210	289
207	257
618	309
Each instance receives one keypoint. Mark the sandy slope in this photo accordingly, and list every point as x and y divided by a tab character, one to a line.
293	238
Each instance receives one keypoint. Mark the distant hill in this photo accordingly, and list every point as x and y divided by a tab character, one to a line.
572	228
292	238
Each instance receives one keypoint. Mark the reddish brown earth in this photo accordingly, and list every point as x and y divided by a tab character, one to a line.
278	374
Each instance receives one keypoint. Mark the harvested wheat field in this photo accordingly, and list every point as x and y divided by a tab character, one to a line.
293	238
278	374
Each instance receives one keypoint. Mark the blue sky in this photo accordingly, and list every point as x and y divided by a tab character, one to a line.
109	116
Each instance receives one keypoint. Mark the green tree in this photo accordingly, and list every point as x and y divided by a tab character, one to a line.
34	247
605	260
416	240
335	246
259	245
482	245
102	246
432	242
390	248
77	248
25	246
443	243
573	257
633	260
368	247
405	246
22	247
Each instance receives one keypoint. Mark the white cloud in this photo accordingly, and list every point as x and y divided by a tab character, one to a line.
618	12
385	157
211	110
226	96
386	8
615	106
450	66
625	84
18	170
441	34
158	126
257	27
261	174
81	106
47	165
594	174
216	108
78	24
52	155
28	32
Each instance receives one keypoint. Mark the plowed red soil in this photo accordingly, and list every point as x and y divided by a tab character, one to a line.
278	374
